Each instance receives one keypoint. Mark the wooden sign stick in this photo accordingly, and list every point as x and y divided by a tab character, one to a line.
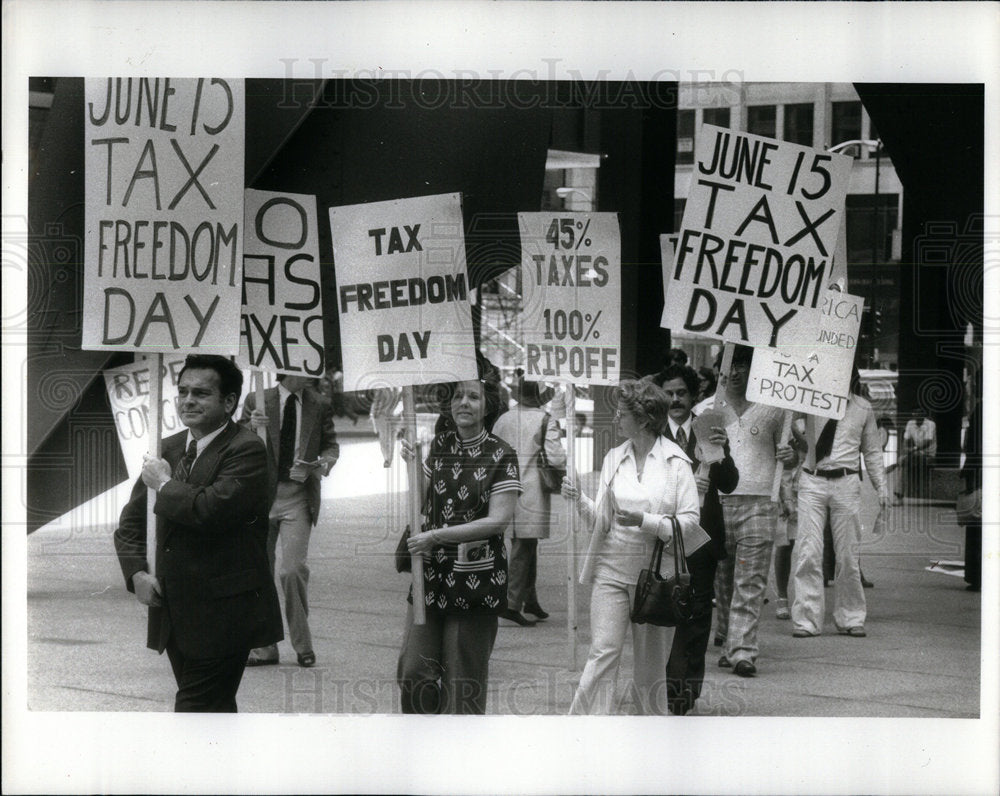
571	620
258	383
413	470
786	430
155	445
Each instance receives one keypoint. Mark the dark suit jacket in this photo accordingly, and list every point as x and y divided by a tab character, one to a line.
316	438
211	530
722	477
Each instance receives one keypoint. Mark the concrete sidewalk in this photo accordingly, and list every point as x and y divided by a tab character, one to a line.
86	634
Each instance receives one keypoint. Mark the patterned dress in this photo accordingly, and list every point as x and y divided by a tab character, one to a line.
462	477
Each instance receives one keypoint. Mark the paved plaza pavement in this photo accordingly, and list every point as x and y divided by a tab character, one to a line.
86	634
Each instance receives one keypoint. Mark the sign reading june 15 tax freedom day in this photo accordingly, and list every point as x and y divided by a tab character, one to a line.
403	292
812	375
128	394
164	197
282	327
571	283
755	251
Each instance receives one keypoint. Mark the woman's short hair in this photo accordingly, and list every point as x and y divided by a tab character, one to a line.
646	402
489	378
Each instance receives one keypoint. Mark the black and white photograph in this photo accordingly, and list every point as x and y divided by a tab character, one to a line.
610	379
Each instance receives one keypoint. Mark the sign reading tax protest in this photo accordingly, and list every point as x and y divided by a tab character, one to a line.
282	328
571	281
403	292
813	374
755	250
164	203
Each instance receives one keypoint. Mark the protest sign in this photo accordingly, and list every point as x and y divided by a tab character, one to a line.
164	203
571	308
282	324
128	388
811	374
754	254
403	292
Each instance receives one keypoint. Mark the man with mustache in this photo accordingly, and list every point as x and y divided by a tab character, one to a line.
686	665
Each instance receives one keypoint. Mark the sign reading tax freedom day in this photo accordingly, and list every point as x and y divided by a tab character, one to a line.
403	292
754	255
571	280
164	161
282	327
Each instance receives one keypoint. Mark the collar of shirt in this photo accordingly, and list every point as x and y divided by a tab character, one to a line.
479	439
686	425
655	451
205	441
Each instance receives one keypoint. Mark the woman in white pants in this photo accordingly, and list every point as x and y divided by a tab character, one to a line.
644	482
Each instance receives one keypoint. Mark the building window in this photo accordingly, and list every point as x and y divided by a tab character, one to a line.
846	125
799	123
685	137
761	120
717	116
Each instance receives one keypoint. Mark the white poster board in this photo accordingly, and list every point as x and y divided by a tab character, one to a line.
282	323
128	393
755	251
571	308
403	292
163	266
812	375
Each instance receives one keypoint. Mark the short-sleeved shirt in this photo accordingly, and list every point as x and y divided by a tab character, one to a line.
462	477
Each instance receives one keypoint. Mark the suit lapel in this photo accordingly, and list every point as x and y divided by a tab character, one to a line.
205	465
308	424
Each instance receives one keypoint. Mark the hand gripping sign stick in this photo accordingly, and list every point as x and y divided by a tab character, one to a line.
786	430
719	398
413	467
571	624
155	439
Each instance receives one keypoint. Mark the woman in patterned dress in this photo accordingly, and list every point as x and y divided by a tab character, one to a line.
472	484
644	483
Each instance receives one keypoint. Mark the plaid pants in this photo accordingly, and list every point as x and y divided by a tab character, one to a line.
742	576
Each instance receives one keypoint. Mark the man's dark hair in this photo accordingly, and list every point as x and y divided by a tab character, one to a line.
677	356
683	372
708	375
742	354
230	376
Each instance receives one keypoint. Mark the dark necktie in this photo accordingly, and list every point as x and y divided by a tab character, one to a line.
286	446
682	438
184	467
825	442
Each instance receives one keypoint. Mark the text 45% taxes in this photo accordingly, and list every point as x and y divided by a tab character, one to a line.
559	324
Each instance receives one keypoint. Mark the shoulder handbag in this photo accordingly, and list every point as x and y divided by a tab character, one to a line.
661	601
551	477
969	507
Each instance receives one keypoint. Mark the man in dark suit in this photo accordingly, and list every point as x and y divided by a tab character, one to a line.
211	598
301	450
686	664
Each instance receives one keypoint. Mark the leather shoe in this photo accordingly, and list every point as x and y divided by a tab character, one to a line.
803	634
263	657
536	611
744	669
724	662
857	632
510	615
306	659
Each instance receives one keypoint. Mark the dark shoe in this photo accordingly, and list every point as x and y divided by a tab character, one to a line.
744	669
724	663
536	611
973	587
857	632
867	584
265	656
516	617
306	659
803	634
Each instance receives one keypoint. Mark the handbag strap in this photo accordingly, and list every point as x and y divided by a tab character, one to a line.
680	562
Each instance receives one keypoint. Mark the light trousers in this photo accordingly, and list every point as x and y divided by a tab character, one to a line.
841	498
742	576
609	622
290	523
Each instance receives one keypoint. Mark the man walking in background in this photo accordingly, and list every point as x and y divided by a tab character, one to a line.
301	450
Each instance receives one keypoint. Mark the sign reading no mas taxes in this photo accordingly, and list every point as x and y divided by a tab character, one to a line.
282	327
571	313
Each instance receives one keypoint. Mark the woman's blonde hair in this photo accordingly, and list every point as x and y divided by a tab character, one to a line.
646	402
